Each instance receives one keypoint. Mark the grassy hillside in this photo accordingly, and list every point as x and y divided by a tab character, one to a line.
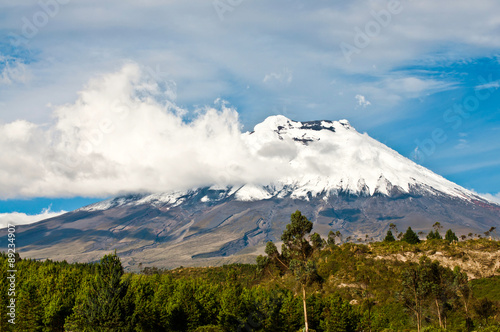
355	287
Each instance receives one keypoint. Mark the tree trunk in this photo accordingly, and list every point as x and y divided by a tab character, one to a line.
417	310
439	314
279	260
419	322
305	308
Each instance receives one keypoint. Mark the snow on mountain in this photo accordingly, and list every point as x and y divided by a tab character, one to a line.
331	156
317	158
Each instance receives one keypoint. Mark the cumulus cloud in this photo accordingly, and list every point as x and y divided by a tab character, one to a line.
362	101
17	218
124	134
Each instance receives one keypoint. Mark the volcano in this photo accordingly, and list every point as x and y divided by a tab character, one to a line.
341	179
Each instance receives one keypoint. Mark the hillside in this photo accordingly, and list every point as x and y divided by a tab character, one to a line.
363	284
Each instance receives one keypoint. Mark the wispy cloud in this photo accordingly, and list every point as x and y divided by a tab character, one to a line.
462	144
13	71
455	169
392	90
490	85
285	76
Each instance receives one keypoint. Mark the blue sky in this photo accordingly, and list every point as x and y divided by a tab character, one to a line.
420	76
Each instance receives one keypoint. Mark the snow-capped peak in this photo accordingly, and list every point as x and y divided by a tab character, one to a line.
331	156
315	158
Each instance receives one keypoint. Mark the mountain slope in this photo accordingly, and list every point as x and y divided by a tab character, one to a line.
339	178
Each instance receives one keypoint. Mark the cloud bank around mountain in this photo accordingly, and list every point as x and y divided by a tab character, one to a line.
124	133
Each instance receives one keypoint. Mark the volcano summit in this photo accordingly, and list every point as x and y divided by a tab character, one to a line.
340	179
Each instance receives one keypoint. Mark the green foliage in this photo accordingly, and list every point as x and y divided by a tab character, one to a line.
299	252
262	262
331	239
389	237
450	236
415	290
339	316
434	235
410	237
57	296
271	249
317	241
389	317
487	288
294	236
437	226
484	309
462	288
209	328
104	307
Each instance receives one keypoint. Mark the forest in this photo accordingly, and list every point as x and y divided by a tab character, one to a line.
311	284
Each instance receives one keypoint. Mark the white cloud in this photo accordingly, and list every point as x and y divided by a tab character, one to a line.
362	101
124	134
17	218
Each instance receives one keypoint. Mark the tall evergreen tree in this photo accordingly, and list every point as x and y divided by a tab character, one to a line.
389	237
410	236
104	307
